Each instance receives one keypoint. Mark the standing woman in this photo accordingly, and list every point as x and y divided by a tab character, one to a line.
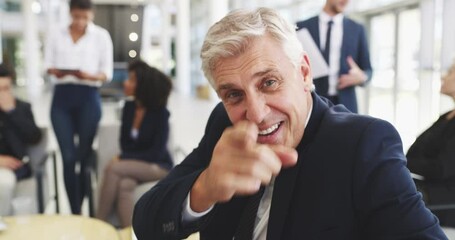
80	57
144	135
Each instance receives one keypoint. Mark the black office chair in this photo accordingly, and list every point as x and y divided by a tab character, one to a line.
91	179
38	183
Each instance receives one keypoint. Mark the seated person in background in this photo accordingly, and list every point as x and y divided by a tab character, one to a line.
144	135
432	156
326	173
17	130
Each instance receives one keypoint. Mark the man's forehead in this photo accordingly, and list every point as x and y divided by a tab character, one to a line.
228	81
5	80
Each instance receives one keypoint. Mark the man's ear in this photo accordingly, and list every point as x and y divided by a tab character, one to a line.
305	69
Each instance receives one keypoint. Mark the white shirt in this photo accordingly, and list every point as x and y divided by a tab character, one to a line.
92	53
262	217
336	39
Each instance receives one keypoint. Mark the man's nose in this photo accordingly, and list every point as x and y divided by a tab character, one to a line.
256	109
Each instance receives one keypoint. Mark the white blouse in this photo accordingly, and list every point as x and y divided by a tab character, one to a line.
92	53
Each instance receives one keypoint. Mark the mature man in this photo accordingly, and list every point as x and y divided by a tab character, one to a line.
17	130
344	46
325	173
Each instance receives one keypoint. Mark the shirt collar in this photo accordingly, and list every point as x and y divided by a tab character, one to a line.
309	114
90	27
325	18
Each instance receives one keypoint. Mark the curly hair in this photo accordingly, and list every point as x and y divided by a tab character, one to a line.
153	87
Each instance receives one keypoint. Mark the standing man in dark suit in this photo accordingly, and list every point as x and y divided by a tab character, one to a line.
344	46
279	162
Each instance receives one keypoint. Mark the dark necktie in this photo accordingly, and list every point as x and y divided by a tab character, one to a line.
246	226
327	42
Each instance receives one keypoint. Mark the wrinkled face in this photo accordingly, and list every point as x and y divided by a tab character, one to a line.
81	18
335	6
129	85
448	83
5	85
264	87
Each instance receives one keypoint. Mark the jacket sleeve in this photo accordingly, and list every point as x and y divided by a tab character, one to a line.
158	213
387	202
364	54
23	123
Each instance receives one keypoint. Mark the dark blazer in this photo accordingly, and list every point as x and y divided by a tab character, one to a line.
354	44
432	155
151	144
18	130
350	182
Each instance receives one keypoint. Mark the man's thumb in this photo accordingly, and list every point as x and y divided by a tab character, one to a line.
352	63
287	155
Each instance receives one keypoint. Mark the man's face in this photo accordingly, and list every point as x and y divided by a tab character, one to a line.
336	6
81	18
264	87
5	85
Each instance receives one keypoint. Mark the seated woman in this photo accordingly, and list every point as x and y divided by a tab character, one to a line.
433	156
144	134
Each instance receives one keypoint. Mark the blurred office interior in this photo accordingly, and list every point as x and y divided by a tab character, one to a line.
412	42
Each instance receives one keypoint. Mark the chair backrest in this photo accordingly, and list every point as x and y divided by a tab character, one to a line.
38	152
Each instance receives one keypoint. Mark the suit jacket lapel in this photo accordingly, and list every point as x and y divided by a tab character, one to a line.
285	182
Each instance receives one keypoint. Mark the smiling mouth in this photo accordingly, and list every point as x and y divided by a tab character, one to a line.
269	131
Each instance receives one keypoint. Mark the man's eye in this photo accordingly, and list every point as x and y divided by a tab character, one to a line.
233	96
269	83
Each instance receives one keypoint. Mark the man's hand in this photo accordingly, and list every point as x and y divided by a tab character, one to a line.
355	75
239	166
7	101
10	162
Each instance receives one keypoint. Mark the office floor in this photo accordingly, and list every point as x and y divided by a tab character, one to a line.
188	119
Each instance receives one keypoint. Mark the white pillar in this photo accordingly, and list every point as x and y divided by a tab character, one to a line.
217	10
1	47
183	83
448	47
448	34
31	48
165	37
427	20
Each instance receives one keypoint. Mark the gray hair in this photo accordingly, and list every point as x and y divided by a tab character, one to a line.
233	34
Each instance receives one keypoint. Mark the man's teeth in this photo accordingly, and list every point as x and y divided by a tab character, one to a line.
269	130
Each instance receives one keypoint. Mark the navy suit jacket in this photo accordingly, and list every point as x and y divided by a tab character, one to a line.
350	182
354	44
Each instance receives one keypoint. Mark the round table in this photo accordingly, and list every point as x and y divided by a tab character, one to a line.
56	227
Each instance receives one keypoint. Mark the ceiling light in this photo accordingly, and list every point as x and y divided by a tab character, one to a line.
133	37
132	53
